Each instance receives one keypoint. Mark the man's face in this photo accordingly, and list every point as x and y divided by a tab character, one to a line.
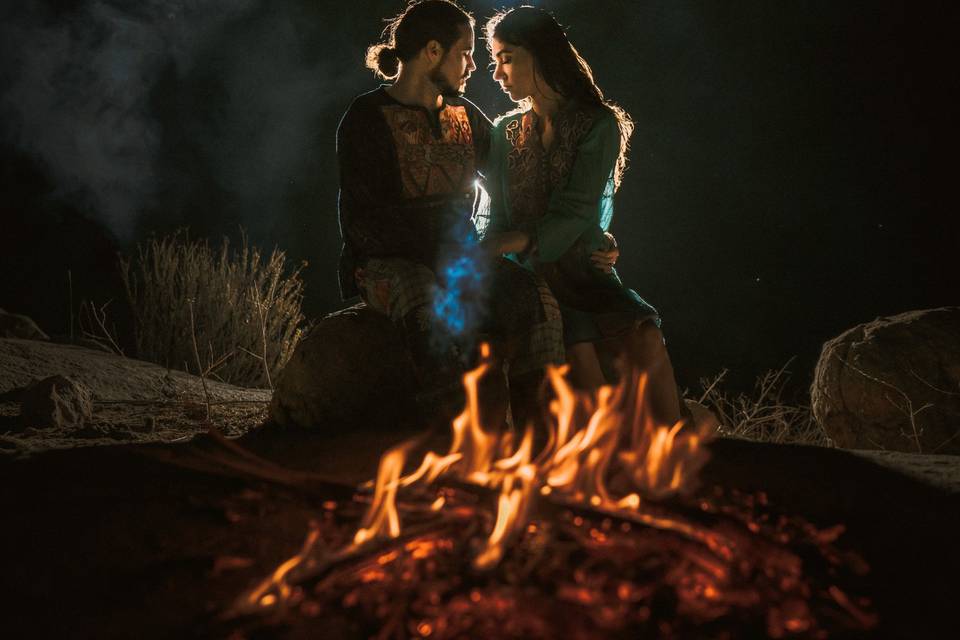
454	68
514	70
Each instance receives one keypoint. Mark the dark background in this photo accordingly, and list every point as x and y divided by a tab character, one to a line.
793	171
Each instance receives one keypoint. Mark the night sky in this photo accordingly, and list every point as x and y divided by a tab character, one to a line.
793	170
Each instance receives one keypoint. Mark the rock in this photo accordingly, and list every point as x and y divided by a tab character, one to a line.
56	402
350	368
705	419
893	384
14	325
109	377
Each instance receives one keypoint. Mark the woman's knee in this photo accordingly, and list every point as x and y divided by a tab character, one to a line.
647	342
585	365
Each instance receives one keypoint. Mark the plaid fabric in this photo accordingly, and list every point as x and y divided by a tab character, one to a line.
403	291
397	287
523	317
543	344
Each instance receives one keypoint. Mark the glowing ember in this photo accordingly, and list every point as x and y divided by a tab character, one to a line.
586	513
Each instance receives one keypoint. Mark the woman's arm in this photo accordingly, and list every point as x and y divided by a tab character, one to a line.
606	256
575	207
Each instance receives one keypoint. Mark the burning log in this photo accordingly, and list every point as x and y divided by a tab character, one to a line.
598	533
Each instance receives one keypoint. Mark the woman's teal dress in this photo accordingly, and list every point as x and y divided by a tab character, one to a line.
563	199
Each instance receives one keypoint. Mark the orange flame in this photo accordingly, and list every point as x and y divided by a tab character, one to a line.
276	589
590	439
382	519
580	455
511	515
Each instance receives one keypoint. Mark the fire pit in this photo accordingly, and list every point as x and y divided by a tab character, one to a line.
601	532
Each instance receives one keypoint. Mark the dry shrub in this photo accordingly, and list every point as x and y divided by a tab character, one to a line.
763	415
242	308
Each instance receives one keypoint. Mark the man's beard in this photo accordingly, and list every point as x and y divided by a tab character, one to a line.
446	89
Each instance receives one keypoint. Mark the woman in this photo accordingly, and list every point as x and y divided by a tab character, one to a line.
555	164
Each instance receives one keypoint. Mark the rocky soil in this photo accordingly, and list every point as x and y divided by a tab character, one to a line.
133	401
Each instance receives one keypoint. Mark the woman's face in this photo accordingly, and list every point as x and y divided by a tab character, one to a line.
514	69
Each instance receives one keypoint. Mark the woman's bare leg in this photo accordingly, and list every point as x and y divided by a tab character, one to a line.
645	350
585	371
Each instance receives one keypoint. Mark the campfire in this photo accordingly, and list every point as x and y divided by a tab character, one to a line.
600	531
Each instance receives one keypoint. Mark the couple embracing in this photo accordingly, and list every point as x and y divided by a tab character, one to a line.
527	261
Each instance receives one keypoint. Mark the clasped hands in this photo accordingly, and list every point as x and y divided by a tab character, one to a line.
517	242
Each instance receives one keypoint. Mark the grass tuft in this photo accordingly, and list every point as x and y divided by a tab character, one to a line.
763	415
241	306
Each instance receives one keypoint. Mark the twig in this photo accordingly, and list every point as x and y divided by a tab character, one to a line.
906	409
225	458
137	403
220	361
99	318
263	333
946	442
719	378
70	288
937	389
313	565
196	354
250	353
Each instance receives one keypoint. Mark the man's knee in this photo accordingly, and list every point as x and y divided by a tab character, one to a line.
397	287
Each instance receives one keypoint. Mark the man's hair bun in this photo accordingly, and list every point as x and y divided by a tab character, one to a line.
410	31
384	60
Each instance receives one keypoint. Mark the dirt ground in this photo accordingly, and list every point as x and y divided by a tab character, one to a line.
135	402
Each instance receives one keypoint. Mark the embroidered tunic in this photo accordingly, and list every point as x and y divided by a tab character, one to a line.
562	198
407	179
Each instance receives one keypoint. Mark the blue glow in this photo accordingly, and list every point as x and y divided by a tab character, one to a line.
449	304
459	297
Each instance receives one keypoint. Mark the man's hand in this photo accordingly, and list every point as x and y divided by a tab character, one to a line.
506	242
606	256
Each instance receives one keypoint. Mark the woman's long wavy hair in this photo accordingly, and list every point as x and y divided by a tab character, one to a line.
410	31
559	63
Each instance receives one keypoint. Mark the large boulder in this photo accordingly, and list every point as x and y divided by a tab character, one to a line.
350	368
14	325
893	384
56	402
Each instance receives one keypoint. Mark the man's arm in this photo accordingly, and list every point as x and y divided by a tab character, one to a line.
371	221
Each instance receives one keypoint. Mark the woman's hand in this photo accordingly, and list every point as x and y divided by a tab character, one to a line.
507	242
606	256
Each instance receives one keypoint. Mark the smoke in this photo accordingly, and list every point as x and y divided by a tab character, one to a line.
78	87
269	119
140	107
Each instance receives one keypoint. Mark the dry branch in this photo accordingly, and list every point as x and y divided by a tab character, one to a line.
763	415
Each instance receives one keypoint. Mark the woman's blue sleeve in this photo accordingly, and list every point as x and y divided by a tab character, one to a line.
576	207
